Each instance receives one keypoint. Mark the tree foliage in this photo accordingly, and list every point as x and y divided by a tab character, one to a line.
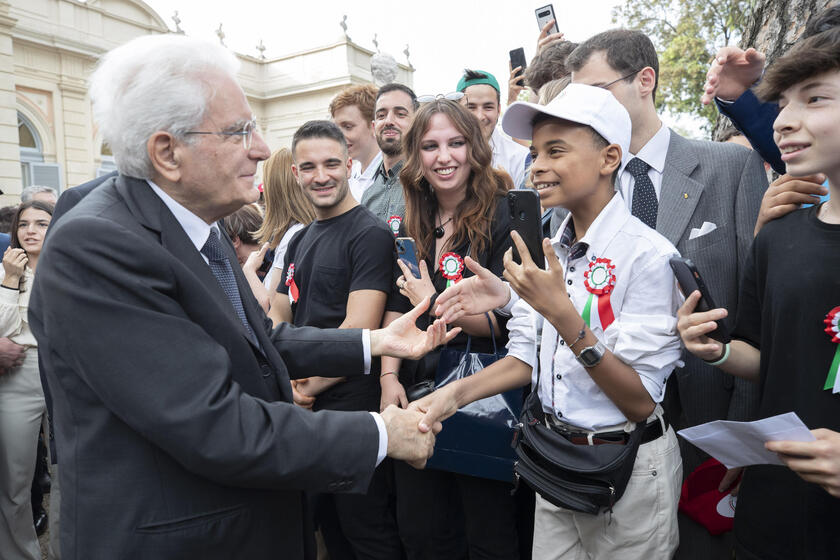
686	33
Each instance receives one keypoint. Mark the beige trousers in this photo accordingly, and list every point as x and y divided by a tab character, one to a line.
22	409
642	526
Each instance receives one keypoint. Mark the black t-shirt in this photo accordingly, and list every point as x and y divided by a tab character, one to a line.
492	259
329	259
791	282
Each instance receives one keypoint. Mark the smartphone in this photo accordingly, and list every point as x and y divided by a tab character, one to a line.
544	15
526	220
407	253
690	280
517	58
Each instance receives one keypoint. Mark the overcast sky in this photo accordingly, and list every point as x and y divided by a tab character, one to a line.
444	36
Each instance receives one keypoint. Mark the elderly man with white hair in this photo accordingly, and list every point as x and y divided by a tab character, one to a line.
172	404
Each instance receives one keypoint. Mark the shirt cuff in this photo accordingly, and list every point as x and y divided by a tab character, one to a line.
383	438
505	310
366	350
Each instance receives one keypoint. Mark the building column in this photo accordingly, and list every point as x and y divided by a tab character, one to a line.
10	176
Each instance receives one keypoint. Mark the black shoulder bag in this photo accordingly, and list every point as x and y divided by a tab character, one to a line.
585	478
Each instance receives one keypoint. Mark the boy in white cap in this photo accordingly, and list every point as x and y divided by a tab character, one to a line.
608	303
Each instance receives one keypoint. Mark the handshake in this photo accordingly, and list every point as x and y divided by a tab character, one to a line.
405	439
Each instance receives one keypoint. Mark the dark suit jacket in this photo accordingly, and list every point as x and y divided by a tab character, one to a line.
176	436
722	184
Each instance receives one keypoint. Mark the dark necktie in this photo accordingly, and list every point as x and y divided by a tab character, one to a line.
645	205
220	266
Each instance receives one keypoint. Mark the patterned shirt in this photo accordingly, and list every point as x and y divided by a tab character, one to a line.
385	196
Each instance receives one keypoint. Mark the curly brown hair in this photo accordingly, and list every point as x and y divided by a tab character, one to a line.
484	186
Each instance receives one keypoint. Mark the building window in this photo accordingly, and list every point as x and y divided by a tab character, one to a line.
33	170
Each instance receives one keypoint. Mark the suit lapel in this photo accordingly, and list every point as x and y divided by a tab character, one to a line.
153	214
680	193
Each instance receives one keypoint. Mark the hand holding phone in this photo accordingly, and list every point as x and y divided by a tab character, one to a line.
690	280
545	15
517	60
526	220
407	253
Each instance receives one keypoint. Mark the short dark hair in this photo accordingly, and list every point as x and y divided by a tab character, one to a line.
626	50
823	21
393	86
815	55
319	129
470	75
549	65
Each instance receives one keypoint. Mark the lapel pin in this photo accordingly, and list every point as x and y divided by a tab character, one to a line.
685	195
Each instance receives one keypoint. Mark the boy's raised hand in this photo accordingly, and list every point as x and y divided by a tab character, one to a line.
544	290
693	328
471	296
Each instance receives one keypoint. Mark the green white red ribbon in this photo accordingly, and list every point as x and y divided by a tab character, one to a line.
599	280
832	322
451	267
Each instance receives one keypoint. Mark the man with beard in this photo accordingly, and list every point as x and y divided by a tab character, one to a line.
395	106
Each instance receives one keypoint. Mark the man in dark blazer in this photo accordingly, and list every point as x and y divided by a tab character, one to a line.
702	196
171	397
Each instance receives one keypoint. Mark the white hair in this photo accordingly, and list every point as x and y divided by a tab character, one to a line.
154	83
28	193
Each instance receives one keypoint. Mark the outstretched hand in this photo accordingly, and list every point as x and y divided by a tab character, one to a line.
544	290
436	407
402	338
733	71
471	296
405	441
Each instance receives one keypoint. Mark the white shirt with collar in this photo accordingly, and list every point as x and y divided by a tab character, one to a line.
198	231
643	335
652	153
361	180
508	155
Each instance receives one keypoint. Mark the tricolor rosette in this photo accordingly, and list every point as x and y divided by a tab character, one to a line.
451	267
599	280
832	327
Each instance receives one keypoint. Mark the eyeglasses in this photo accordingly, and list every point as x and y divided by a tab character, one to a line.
633	73
246	132
454	96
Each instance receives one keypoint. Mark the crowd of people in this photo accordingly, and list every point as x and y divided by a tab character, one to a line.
241	372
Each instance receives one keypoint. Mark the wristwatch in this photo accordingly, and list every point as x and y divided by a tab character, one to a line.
591	356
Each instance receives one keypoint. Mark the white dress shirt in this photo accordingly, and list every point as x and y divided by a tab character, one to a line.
360	180
198	231
653	153
644	302
509	155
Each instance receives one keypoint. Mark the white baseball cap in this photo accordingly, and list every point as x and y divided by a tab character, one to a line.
578	103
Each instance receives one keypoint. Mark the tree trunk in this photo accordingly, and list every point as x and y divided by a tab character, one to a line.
773	27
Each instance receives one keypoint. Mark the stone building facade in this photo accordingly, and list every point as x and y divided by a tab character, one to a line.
48	48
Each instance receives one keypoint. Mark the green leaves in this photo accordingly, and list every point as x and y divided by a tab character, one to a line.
687	34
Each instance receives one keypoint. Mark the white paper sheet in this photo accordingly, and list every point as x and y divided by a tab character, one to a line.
738	444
